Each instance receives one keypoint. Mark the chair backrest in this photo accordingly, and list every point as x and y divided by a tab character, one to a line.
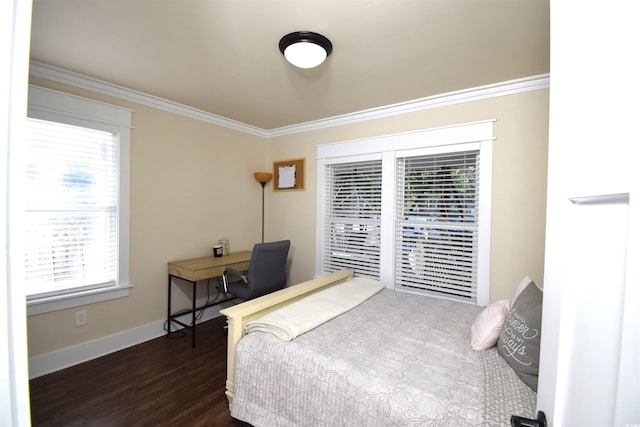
268	267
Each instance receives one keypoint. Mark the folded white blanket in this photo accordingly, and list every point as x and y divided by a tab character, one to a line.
301	316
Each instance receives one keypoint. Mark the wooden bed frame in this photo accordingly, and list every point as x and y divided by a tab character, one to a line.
239	315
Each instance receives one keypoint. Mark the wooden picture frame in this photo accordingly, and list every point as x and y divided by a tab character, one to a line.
288	175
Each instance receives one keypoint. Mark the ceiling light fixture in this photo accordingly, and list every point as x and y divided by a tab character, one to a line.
305	49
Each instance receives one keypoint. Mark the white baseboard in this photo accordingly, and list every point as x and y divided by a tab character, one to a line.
74	355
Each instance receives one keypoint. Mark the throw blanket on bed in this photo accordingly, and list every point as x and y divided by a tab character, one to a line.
394	360
295	319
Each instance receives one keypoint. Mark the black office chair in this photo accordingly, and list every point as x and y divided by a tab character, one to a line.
267	271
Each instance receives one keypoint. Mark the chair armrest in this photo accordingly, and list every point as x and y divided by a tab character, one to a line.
236	273
233	272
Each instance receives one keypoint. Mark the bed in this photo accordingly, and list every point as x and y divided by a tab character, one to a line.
394	359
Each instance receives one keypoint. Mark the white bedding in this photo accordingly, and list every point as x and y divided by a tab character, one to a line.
295	319
394	360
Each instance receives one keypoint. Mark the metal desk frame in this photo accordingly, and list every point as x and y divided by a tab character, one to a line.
194	270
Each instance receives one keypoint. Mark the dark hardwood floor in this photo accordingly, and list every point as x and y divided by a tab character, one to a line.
162	382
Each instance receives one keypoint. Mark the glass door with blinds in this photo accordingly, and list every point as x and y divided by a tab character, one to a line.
412	210
352	209
436	231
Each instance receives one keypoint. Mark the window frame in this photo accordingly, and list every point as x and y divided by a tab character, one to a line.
447	151
389	147
375	223
55	106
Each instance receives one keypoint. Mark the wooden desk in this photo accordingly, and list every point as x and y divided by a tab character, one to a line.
193	270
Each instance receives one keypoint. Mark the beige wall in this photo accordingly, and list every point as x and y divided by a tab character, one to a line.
192	182
519	182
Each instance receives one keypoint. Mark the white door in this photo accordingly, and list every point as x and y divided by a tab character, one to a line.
15	29
590	356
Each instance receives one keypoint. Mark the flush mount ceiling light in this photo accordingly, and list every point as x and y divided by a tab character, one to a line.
305	49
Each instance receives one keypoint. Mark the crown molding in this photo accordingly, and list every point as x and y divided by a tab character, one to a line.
495	90
60	75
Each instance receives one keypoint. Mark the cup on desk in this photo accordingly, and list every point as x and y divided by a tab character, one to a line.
217	250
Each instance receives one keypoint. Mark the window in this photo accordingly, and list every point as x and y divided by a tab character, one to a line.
412	210
75	222
436	224
352	217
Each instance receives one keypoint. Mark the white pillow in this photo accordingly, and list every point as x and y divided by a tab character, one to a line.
487	327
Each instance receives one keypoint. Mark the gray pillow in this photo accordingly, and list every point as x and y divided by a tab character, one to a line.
519	342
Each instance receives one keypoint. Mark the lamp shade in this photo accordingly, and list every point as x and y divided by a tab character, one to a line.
305	49
262	177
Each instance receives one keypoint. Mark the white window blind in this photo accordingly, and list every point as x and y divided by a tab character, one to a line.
433	224
437	224
75	199
70	223
352	209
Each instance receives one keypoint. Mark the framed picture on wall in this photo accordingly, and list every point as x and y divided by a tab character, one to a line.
288	175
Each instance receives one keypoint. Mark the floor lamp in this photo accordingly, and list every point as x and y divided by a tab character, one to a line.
263	178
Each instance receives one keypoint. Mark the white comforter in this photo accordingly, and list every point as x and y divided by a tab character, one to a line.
394	360
310	312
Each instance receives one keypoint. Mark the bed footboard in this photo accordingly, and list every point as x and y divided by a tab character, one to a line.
239	315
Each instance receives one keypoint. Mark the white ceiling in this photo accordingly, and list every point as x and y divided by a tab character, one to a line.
222	57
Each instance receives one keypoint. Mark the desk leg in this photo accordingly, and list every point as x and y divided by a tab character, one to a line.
169	307
193	317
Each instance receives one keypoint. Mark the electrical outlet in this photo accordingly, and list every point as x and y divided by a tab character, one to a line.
81	318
